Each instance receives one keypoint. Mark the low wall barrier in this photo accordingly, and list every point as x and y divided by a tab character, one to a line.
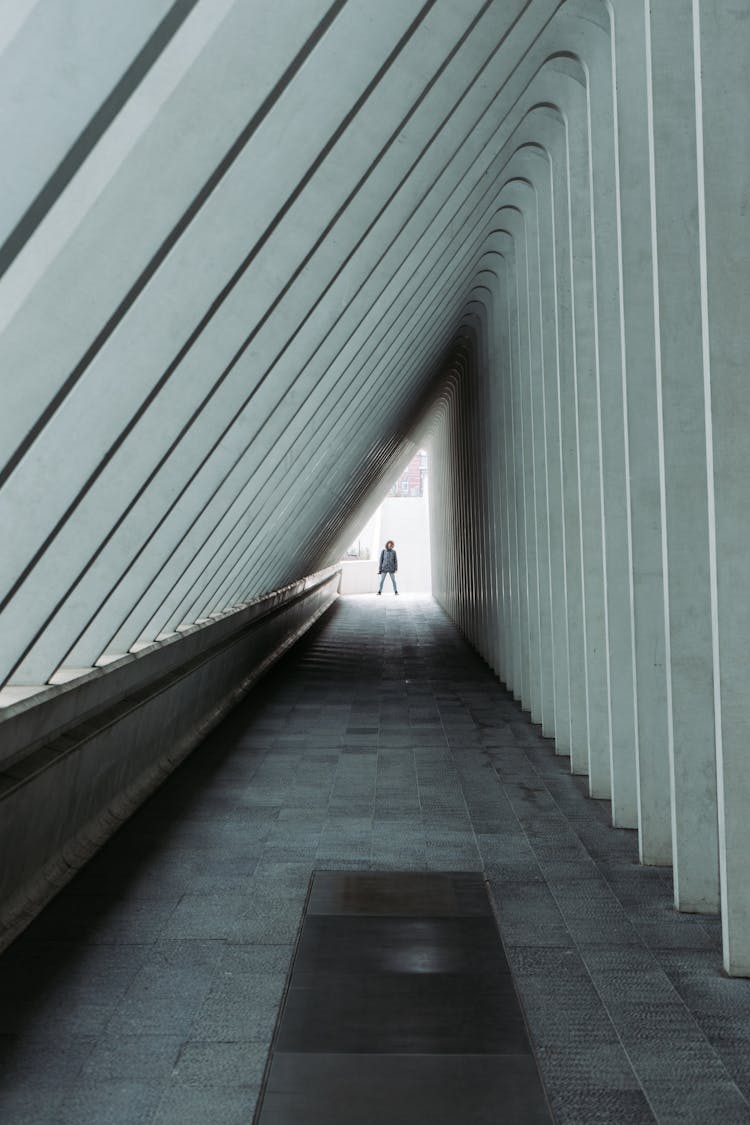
77	759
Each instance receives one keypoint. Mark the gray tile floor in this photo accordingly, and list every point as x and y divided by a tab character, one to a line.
148	990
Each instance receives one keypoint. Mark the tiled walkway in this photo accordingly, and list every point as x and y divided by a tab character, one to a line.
148	991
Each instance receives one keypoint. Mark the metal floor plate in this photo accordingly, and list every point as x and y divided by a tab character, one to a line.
400	1008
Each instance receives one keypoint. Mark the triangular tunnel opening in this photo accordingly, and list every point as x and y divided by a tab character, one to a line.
401	517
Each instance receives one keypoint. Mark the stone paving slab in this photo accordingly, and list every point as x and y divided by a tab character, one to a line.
148	991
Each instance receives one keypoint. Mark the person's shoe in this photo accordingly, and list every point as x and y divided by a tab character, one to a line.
396	592
378	592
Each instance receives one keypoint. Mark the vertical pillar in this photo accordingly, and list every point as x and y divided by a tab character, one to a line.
492	439
526	227
586	398
539	574
524	689
722	68
516	657
615	529
684	500
505	346
491	433
571	156
654	818
548	394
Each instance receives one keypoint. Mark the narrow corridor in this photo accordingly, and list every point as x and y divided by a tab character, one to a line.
148	991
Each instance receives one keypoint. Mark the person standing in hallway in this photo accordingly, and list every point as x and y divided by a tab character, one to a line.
388	565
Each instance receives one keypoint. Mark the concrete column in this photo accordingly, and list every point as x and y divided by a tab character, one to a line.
684	499
496	426
621	764
523	679
491	439
530	160
530	684
722	68
551	161
522	197
572	156
654	815
473	460
504	377
486	607
495	438
586	400
518	636
486	416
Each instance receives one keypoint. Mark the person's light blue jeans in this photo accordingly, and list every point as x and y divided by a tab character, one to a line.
382	580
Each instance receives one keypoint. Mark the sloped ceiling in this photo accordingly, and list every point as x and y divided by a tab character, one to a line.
239	242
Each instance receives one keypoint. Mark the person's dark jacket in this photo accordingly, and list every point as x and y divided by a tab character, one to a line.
388	562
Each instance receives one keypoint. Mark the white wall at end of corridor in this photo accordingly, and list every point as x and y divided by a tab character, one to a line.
405	520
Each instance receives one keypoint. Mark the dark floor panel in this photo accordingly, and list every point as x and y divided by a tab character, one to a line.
399	1012
363	943
394	1014
407	894
404	1090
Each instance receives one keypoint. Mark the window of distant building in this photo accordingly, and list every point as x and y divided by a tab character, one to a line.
412	480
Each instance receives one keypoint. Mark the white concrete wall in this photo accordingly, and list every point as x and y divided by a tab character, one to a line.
405	520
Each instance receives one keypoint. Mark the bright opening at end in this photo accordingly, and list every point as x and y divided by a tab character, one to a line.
403	516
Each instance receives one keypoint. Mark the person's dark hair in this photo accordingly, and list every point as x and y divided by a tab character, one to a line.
389	544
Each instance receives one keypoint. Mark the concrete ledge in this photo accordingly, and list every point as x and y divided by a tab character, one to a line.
78	758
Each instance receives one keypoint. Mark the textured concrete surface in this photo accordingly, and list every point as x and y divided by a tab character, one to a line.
148	991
